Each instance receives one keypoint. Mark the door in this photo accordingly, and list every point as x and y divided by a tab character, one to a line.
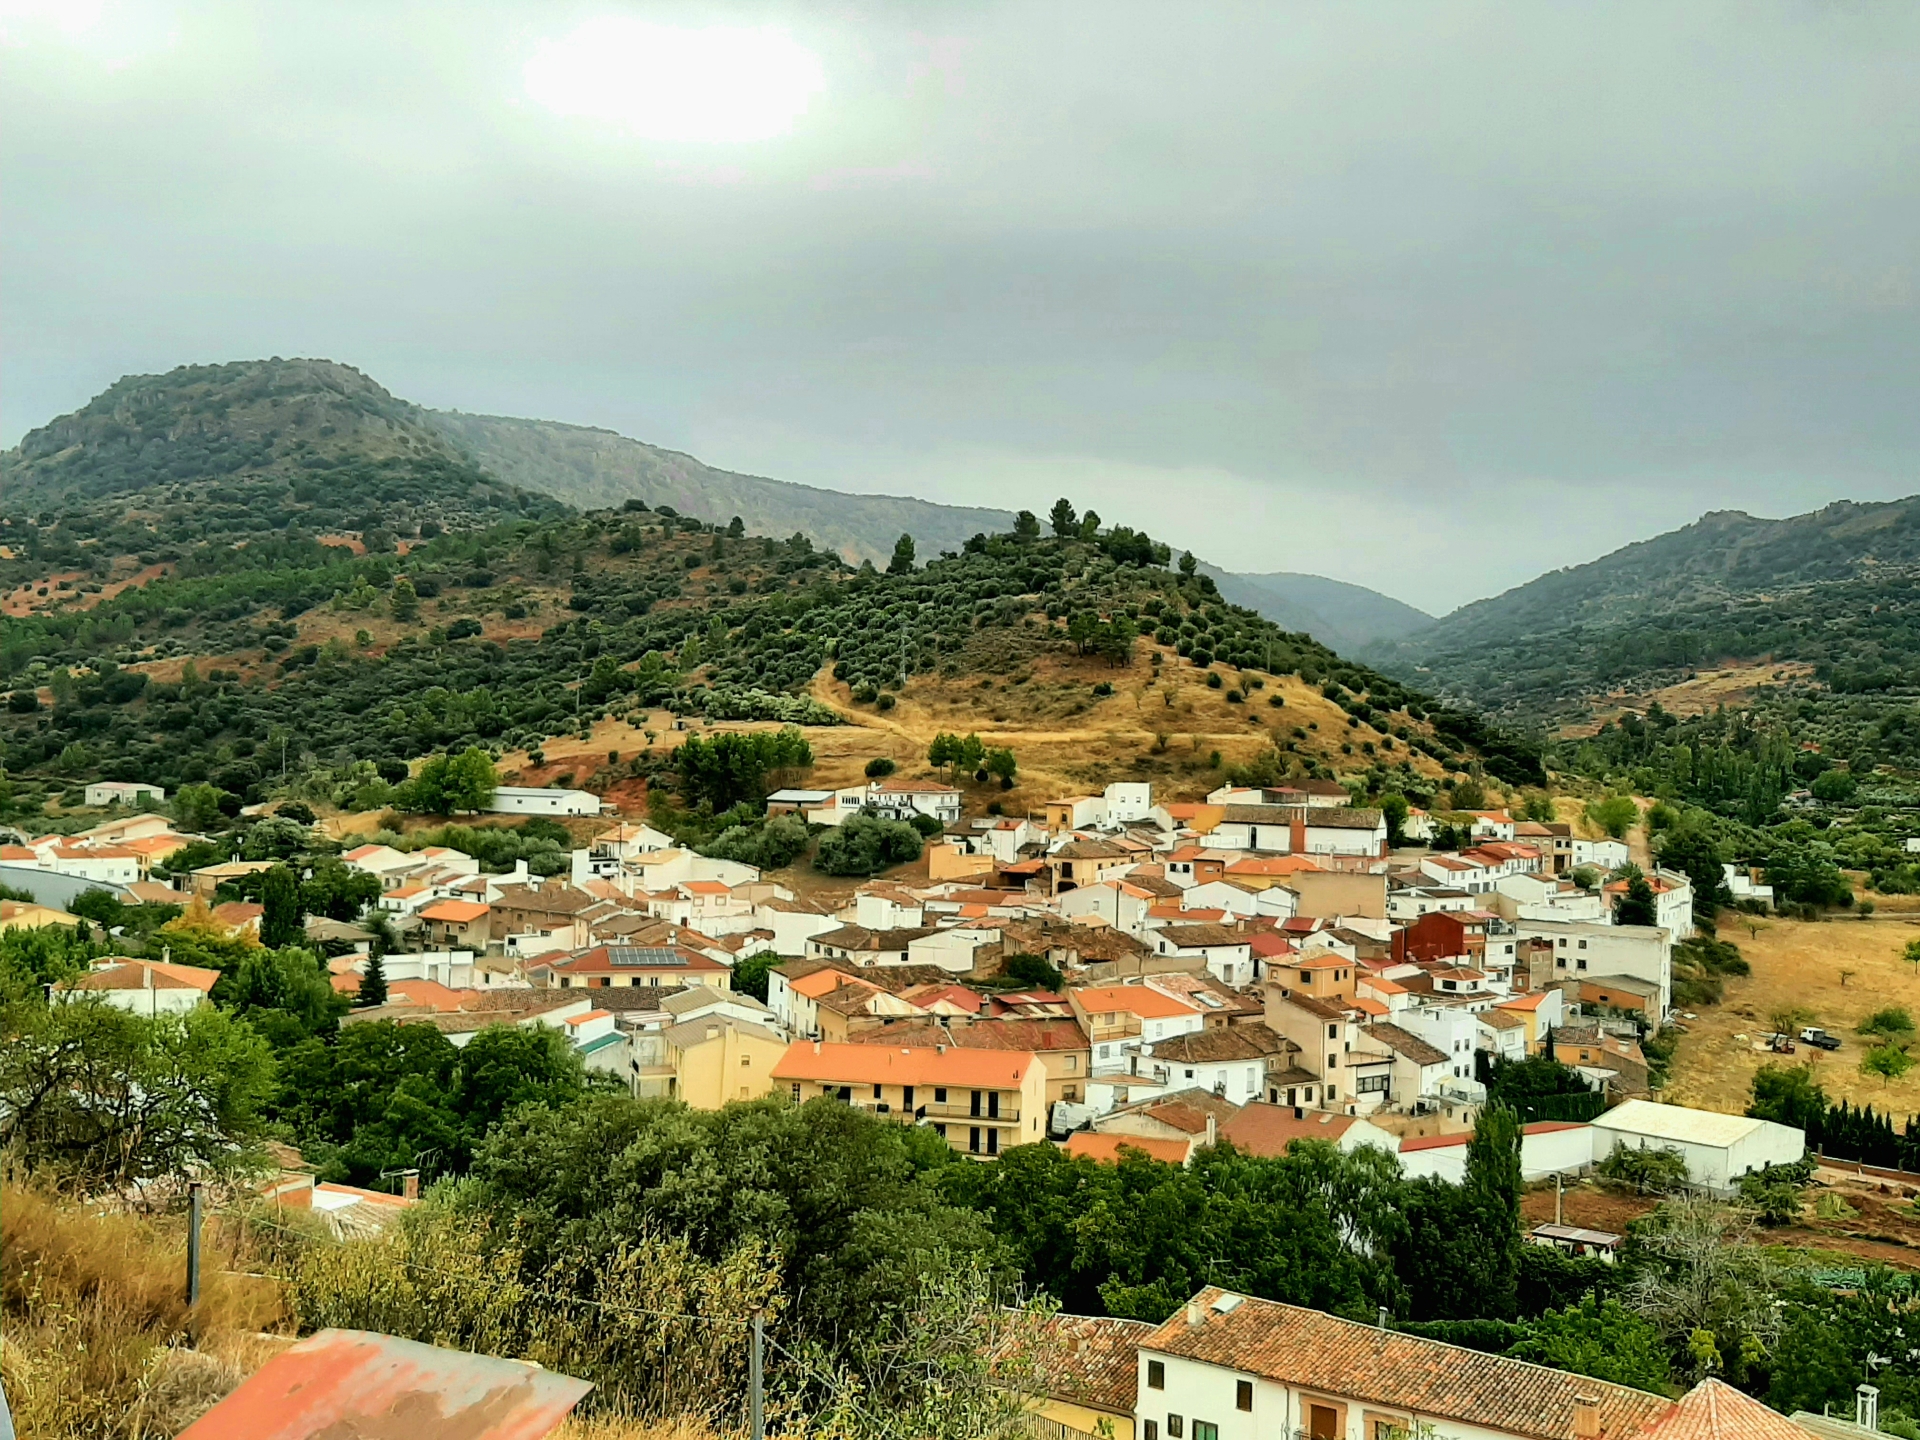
1323	1422
993	1104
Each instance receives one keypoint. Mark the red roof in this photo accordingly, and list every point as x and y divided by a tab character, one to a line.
352	1382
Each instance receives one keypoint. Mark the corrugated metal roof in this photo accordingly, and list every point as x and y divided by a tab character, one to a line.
356	1385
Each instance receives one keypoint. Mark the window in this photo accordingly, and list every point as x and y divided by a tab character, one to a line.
1372	1084
745	1061
1205	1430
876	1092
796	1093
1242	1399
1174	1426
1156	1376
939	1094
1333	1032
1151	1430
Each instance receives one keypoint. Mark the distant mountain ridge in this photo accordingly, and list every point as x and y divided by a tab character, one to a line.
1348	617
595	468
319	444
1838	587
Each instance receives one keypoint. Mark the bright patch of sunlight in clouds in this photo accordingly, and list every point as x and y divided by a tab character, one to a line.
659	82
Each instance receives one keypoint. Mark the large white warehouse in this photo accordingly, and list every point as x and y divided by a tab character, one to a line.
1719	1149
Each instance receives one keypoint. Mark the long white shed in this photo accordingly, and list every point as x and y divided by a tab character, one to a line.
1718	1148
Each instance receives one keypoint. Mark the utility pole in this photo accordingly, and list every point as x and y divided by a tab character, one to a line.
194	1195
756	1405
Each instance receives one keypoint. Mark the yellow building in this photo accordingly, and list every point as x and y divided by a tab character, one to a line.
717	1059
25	915
979	1101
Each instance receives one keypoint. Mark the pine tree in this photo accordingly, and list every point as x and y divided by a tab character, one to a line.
373	983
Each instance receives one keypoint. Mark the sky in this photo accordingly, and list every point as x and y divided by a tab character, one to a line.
1427	296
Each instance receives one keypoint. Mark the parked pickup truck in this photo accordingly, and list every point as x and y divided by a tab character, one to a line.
1814	1035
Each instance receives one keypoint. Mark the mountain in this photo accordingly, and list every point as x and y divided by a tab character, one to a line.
1347	617
254	448
593	468
1834	589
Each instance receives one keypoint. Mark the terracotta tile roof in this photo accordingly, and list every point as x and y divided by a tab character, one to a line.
1092	1145
1388	1369
1221	1044
1141	1000
456	912
132	975
1440	1142
859	937
1714	1410
903	1065
1263	1129
1010	1034
1407	1044
1194	937
1189	1110
1089	850
1091	1361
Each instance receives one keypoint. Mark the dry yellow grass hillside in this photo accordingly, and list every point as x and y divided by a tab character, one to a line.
1840	971
1161	723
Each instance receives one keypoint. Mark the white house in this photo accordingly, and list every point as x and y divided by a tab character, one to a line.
1227	953
1605	855
144	987
793	923
538	800
1458	872
1742	886
1229	1367
123	792
1128	801
1547	1147
1718	1148
894	799
1583	950
1230	1061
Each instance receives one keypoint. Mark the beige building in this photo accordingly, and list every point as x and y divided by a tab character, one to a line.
980	1102
1330	894
1061	1045
718	1059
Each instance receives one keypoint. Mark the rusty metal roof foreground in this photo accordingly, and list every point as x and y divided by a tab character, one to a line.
357	1385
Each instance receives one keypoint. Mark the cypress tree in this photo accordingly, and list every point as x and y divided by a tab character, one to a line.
373	983
1492	1187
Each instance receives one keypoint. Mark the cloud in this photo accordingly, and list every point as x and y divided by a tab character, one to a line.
718	84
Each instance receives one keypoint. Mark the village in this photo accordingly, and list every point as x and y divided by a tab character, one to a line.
1115	975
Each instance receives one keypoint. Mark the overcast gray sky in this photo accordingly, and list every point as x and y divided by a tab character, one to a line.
1427	296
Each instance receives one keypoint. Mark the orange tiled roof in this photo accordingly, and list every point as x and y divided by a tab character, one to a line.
904	1065
1393	1370
1714	1410
456	912
1141	1000
1092	1145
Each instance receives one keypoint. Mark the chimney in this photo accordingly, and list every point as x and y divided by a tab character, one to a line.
1196	1313
1213	1130
1586	1417
816	1047
1866	1407
1382	1318
409	1184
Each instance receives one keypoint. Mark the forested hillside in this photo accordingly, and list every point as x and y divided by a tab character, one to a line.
1834	589
228	573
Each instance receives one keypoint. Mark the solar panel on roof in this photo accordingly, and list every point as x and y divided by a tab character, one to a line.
649	956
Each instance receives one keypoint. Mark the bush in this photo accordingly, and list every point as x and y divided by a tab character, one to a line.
1214	682
928	825
879	767
1646	1169
866	845
777	843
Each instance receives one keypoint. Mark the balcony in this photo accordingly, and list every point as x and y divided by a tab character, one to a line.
963	1110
